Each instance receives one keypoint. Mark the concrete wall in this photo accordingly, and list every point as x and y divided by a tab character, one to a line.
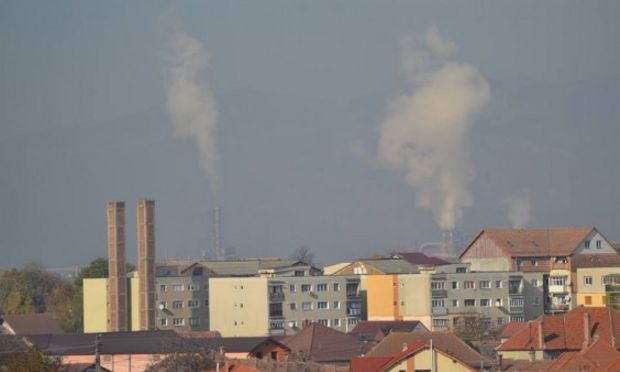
415	298
382	293
489	264
423	361
593	237
95	305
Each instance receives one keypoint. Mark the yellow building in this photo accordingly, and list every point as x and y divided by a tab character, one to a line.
589	286
95	302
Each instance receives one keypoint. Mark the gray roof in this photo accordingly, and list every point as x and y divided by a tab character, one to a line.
247	267
392	265
28	324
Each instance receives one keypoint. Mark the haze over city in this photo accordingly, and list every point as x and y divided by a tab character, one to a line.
348	127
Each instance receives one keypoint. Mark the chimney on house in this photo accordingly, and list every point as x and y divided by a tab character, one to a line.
146	263
117	278
541	335
586	329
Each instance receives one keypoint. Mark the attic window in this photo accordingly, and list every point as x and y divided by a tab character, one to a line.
599	244
587	244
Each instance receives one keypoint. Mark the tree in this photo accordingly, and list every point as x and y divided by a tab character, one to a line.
185	362
65	306
97	268
31	360
24	291
303	254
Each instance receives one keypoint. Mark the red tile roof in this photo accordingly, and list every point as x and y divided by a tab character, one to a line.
511	329
323	344
599	356
369	330
567	331
419	258
531	242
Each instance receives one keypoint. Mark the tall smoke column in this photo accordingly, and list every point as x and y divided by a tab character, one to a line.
426	132
190	103
519	207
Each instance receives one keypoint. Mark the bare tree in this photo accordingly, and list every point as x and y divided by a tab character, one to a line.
303	254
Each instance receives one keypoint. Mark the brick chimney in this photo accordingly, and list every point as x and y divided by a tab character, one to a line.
146	263
117	278
586	329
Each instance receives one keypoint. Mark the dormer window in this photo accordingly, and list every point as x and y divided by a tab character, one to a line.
587	244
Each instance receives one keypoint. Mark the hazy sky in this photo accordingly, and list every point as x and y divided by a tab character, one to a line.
301	95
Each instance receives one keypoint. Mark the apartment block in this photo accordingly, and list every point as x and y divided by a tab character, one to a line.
590	285
262	306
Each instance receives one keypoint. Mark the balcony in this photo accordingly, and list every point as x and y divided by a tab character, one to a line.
438	293
354	312
516	309
559	307
276	296
439	311
558	288
353	294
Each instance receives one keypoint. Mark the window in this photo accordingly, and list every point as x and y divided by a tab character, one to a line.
455	285
207	302
275	309
291	288
194	321
499	302
193	304
587	280
163	305
162	288
455	303
586	244
321	287
461	270
352	321
562	260
292	324
468	284
437	303
276	324
306	306
178	322
500	321
359	270
557	280
336	322
437	285
588	300
599	244
336	304
354	308
306	287
293	306
533	261
324	322
193	286
485	302
516	302
485	284
177	304
499	284
322	305
299	273
517	318
469	302
336	287
178	287
163	322
440	323
534	282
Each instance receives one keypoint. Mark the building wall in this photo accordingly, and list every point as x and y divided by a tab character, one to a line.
592	294
415	298
423	361
239	306
193	312
134	303
533	295
95	305
488	264
118	362
383	297
593	246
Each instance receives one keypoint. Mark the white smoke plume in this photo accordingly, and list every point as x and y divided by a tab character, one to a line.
426	132
519	207
190	103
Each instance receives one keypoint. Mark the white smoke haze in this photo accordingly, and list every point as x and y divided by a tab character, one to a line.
519	207
190	103
426	132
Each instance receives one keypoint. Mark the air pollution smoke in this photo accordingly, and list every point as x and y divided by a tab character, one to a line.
519	207
426	132
190	103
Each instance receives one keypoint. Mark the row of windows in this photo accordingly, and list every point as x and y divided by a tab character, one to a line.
484	322
599	244
587	280
483	302
467	284
321	287
179	322
179	304
177	287
307	306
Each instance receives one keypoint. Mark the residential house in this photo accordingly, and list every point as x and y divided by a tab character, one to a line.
375	331
28	324
589	278
246	347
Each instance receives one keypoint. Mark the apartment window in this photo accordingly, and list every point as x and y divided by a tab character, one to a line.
516	302
207	302
193	286
485	284
291	288
163	322
455	303
178	287
194	321
276	324
275	309
455	285
587	244
500	321
588	300
306	306
469	284
534	282
352	321
485	323
562	260
322	305
299	273
336	304
437	285
587	280
533	261
162	288
178	321
293	306
336	322
440	323
193	304
557	280
321	287
177	304
336	287
599	244
354	308
498	284
469	302
292	324
485	302
461	270
437	303
517	318
306	287
359	270
324	322
499	302
163	305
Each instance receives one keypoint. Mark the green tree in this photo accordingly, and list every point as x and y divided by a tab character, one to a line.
98	268
24	291
65	306
31	360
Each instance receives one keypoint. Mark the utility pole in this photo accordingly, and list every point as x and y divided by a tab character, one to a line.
97	357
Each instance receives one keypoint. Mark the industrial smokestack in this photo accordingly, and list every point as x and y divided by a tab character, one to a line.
117	278
146	263
218	250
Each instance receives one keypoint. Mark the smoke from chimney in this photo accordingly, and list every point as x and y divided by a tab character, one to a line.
518	206
190	103
426	132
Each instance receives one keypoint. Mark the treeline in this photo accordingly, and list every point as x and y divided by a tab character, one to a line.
33	290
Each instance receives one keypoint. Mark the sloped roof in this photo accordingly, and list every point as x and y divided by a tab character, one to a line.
600	356
385	265
558	241
596	260
323	344
237	344
367	330
444	340
138	342
247	267
566	331
419	258
11	344
28	324
511	329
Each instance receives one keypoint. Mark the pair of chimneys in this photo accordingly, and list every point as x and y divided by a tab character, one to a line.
118	301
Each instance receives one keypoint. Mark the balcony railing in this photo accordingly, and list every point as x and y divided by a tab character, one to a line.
436	293
276	296
440	311
352	311
354	293
561	288
559	307
516	309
